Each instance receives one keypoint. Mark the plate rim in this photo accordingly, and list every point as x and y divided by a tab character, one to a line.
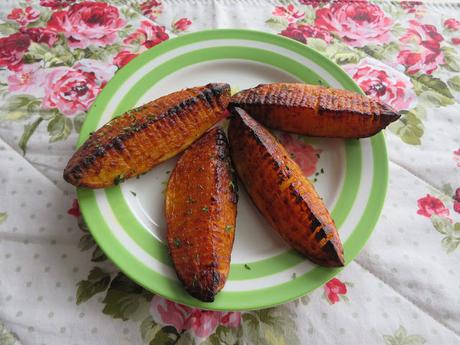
377	142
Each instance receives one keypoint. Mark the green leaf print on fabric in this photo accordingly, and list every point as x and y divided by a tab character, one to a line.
8	28
432	91
3	217
149	329
165	336
7	337
451	59
20	107
98	281
270	326
444	225
29	129
342	54
59	128
125	299
187	339
277	23
98	255
380	52
78	121
409	128
86	242
400	337
454	83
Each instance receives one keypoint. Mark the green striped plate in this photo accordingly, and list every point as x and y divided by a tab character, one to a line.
127	220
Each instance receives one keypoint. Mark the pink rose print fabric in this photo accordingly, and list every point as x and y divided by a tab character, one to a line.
457	157
386	84
149	35
201	323
313	3
27	79
457	200
181	25
301	33
452	24
430	205
305	155
69	90
56	4
421	48
100	72
290	13
24	16
151	8
123	57
75	209
12	50
358	22
333	289
41	35
88	23
72	90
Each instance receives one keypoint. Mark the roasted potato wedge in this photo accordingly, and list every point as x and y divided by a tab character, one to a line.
315	110
201	200
133	143
280	191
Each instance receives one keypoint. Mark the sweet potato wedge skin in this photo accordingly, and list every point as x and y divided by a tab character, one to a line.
136	141
314	110
280	191
201	200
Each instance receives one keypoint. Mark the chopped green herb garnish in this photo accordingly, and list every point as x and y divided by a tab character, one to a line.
232	185
228	228
315	179
133	193
247	267
190	200
316	173
205	209
318	155
322	171
119	179
320	82
168	171
176	242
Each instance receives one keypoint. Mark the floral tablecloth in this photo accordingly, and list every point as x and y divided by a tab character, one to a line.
57	286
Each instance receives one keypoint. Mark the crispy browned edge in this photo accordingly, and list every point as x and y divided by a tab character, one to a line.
315	110
197	232
93	148
299	216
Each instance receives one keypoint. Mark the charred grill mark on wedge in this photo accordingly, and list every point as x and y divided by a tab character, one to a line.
185	114
291	205
315	110
200	205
